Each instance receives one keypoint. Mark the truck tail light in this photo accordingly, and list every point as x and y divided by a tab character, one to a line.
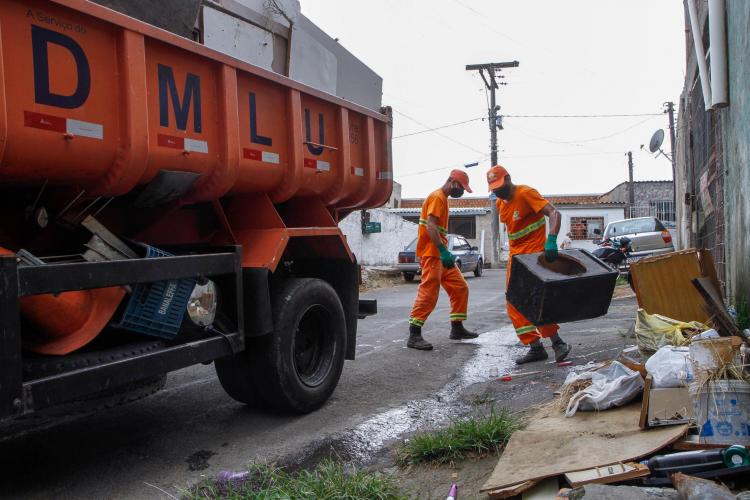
666	237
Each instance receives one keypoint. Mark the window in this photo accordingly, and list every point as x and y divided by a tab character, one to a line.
662	210
463	226
634	226
461	244
582	228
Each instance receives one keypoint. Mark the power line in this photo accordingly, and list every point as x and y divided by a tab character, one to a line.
580	142
439	128
560	155
624	115
431	129
436	169
454	124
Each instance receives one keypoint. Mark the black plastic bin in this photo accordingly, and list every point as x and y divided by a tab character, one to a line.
576	286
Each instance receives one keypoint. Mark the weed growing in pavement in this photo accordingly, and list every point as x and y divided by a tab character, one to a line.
622	281
328	480
472	435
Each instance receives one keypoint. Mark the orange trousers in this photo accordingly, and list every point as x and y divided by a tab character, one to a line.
526	331
434	275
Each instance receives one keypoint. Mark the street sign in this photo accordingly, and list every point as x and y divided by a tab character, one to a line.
371	227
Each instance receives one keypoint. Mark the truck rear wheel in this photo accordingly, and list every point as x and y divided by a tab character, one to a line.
296	367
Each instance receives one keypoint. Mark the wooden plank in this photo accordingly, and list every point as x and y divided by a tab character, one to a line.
693	443
663	285
643	420
553	444
512	490
607	474
708	268
714	303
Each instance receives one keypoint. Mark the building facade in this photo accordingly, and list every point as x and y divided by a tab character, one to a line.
650	199
713	146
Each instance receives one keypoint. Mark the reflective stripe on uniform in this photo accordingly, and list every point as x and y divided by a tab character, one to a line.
525	329
416	322
458	316
423	222
527	230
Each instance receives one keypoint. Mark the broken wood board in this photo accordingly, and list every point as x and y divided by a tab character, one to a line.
553	444
663	285
512	490
643	419
607	474
693	443
714	305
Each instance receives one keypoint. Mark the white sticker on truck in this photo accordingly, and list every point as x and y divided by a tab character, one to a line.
196	146
269	157
84	129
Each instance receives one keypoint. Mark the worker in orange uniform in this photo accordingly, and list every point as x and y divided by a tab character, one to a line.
438	265
522	209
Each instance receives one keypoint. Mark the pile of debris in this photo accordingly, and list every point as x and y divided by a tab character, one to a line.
691	428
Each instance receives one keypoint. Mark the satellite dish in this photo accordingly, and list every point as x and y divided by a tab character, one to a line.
656	140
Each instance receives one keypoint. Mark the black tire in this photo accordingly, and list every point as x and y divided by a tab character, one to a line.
409	277
295	368
479	269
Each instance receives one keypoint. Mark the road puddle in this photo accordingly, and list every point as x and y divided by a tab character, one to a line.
494	354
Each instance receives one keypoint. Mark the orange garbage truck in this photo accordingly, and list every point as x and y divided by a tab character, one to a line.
166	204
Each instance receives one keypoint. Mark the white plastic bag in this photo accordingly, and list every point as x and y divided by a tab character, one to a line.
613	385
670	367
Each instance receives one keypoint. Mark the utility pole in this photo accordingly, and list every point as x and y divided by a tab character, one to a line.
670	112
631	187
491	83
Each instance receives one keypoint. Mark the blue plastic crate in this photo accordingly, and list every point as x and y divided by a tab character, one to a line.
157	309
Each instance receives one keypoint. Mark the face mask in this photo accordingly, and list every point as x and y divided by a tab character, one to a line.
457	192
503	192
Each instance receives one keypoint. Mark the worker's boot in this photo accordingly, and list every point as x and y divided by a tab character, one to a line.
459	332
536	352
415	339
561	350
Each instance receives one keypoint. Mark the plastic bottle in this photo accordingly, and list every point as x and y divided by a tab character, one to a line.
685	376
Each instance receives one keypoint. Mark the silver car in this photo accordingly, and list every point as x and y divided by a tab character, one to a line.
468	258
648	236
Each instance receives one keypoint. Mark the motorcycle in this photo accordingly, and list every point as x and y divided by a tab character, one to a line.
614	252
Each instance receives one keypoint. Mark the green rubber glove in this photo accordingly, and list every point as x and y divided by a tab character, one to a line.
446	257
550	248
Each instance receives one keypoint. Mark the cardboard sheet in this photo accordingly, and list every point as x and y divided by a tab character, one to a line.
553	444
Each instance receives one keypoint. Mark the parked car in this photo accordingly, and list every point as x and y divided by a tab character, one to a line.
468	258
647	235
407	261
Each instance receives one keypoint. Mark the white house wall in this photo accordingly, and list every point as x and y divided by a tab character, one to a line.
378	249
608	214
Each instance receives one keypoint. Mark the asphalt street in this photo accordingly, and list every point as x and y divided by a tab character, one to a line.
191	430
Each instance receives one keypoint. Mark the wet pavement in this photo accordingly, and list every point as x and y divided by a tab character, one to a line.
191	430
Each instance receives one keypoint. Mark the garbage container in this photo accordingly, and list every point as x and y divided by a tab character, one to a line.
574	287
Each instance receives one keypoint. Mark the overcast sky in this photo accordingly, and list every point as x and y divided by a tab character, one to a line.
578	57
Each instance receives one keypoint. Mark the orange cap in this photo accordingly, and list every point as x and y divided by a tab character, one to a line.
496	177
462	178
